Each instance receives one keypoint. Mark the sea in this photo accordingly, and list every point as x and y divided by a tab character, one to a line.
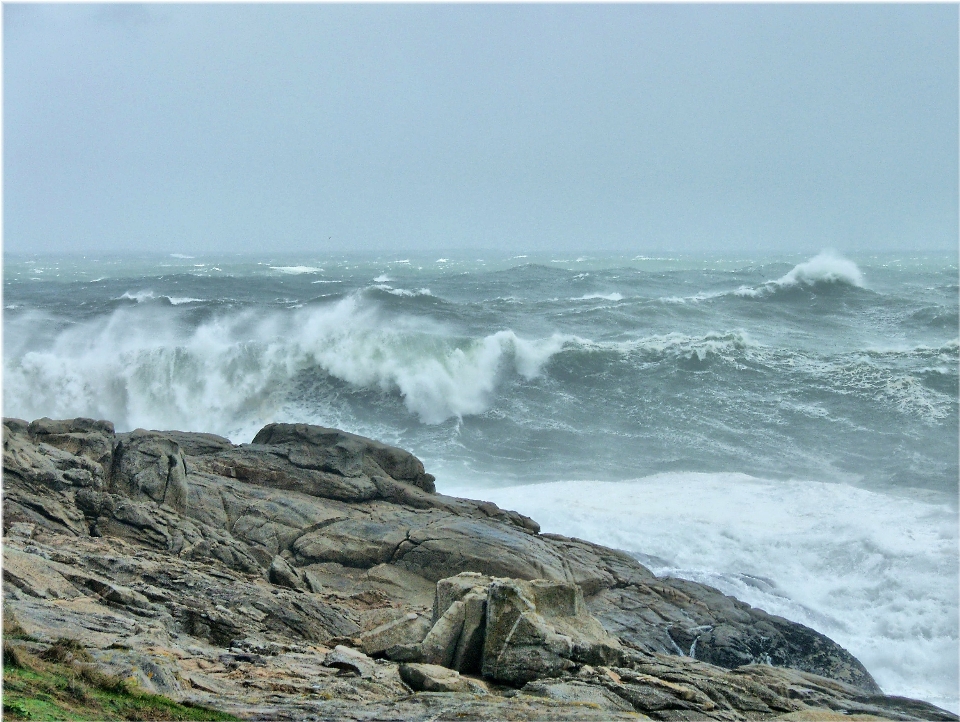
782	428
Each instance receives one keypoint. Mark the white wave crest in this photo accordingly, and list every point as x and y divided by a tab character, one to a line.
141	367
403	291
825	267
138	296
875	573
296	270
600	296
142	296
680	345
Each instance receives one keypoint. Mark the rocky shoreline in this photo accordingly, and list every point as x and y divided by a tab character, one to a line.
317	575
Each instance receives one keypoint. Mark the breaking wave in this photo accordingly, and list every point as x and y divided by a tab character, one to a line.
145	367
849	562
826	268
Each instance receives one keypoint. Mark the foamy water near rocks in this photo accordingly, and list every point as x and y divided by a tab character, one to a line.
316	575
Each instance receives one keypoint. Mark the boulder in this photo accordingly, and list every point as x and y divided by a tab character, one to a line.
434	678
410	629
284	575
149	465
541	629
440	644
349	660
314	447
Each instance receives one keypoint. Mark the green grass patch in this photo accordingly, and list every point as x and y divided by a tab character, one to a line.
58	685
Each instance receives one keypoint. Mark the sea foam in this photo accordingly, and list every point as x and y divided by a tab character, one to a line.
876	573
825	268
142	366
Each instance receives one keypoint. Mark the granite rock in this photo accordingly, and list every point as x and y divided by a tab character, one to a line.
292	577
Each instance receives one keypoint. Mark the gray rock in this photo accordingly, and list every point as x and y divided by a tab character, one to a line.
453	589
283	574
409	630
149	465
314	447
541	629
674	616
468	656
156	550
434	678
440	644
350	660
578	692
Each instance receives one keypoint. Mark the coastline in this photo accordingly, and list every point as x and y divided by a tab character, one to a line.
315	574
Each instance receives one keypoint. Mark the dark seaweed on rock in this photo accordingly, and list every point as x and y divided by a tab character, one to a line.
315	574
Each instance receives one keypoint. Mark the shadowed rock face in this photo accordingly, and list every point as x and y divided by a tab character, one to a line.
226	574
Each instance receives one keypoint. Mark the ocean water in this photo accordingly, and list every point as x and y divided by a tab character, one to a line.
785	429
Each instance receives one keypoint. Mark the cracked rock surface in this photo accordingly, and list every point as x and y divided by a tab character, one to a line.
317	575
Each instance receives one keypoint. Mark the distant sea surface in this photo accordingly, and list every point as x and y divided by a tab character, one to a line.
785	429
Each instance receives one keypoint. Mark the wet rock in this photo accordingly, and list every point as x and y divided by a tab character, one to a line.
674	616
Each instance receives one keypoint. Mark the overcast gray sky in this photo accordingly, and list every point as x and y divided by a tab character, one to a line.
194	128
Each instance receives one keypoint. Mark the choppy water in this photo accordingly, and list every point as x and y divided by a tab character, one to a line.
784	429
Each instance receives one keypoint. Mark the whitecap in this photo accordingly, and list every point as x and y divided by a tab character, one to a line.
875	573
600	296
296	270
138	296
141	368
403	291
825	268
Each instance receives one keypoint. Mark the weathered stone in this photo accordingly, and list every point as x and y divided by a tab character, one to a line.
540	629
674	616
434	678
150	465
468	656
453	589
314	447
157	582
283	574
440	644
89	438
408	630
34	575
350	660
578	692
352	542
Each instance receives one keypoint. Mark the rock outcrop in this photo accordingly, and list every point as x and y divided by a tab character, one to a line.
315	574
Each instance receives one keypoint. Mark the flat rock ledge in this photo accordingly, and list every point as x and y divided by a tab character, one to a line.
317	575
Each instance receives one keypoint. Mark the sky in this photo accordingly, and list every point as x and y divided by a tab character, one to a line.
625	128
